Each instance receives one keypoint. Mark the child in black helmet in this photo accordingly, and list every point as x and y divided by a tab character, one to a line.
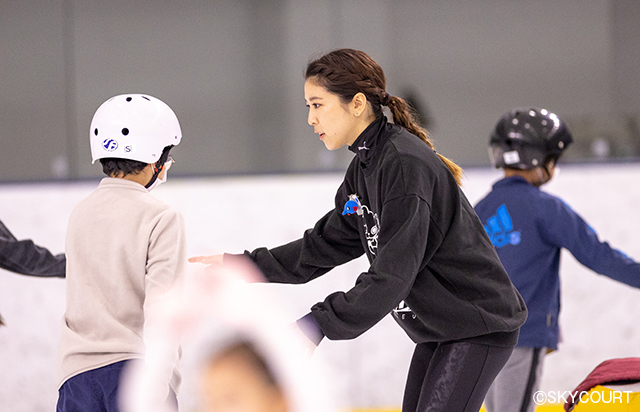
528	228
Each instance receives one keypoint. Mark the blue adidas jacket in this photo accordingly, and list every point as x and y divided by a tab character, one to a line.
529	227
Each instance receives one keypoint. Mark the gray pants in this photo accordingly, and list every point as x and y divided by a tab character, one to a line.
513	388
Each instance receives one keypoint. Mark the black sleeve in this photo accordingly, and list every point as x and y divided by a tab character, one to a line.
27	258
402	241
332	242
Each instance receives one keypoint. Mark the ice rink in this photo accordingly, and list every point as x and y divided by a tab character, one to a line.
231	214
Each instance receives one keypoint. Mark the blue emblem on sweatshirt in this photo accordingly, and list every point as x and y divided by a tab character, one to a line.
500	228
352	206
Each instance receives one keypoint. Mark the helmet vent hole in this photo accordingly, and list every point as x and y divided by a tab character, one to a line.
128	99
125	131
95	131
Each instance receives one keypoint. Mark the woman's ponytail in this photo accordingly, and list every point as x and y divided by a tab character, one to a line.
403	115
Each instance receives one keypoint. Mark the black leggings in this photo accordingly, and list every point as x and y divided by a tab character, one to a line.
451	377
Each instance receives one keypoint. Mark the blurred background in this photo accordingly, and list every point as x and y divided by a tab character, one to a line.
232	70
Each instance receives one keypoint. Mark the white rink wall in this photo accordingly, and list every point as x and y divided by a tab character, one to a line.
231	214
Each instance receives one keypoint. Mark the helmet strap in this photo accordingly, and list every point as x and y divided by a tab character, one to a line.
541	178
159	166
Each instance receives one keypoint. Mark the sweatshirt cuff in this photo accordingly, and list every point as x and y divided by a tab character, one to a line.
310	328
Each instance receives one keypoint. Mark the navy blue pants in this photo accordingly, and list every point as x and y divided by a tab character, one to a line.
96	391
451	377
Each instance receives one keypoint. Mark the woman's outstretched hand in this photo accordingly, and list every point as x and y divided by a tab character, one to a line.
207	260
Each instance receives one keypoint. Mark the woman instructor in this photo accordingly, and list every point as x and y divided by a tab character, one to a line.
431	263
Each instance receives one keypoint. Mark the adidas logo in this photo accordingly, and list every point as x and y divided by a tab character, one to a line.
500	229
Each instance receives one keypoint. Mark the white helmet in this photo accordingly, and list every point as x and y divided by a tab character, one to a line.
135	127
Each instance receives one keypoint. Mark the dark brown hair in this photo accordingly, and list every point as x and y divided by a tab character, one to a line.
112	166
346	72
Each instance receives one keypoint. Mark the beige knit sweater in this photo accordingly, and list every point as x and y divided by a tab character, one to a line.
124	249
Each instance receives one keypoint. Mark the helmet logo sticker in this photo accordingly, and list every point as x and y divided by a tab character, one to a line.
109	145
511	157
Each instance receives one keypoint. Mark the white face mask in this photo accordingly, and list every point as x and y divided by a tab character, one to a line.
162	177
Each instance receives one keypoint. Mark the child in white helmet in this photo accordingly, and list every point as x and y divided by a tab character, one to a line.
125	250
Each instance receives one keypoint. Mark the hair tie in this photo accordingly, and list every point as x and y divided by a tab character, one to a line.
386	99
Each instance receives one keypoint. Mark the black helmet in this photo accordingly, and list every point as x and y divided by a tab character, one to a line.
526	138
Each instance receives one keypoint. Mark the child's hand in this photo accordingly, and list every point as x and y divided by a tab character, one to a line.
207	260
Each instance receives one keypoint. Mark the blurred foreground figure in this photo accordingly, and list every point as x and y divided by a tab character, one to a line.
239	352
239	379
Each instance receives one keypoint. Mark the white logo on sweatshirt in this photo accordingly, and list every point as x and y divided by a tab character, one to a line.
403	311
372	232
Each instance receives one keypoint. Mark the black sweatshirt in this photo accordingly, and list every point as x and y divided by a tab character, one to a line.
432	263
